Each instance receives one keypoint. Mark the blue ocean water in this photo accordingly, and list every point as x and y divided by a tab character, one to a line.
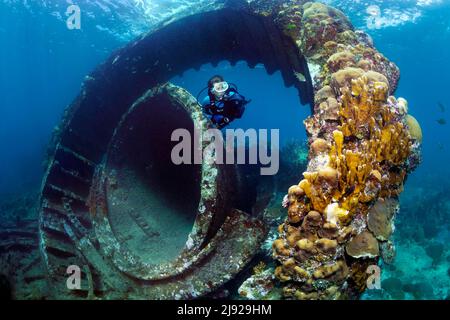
42	65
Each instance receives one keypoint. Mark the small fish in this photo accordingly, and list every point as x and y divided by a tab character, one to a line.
441	121
441	106
440	146
300	76
349	191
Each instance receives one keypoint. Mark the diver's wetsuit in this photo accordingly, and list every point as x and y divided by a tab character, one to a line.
225	109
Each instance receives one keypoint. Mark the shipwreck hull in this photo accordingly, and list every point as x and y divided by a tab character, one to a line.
108	173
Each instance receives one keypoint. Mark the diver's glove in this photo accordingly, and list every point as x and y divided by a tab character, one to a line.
224	123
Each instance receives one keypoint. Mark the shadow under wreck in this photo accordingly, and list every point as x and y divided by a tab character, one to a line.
113	203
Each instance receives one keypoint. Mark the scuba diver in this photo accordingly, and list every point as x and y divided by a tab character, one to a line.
223	103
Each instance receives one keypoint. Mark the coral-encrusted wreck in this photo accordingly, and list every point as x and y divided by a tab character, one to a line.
140	227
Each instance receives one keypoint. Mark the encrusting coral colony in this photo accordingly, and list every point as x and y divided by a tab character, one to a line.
362	145
97	208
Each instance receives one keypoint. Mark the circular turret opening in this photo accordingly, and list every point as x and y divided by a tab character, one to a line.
152	203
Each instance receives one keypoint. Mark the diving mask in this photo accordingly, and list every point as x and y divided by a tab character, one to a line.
220	87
